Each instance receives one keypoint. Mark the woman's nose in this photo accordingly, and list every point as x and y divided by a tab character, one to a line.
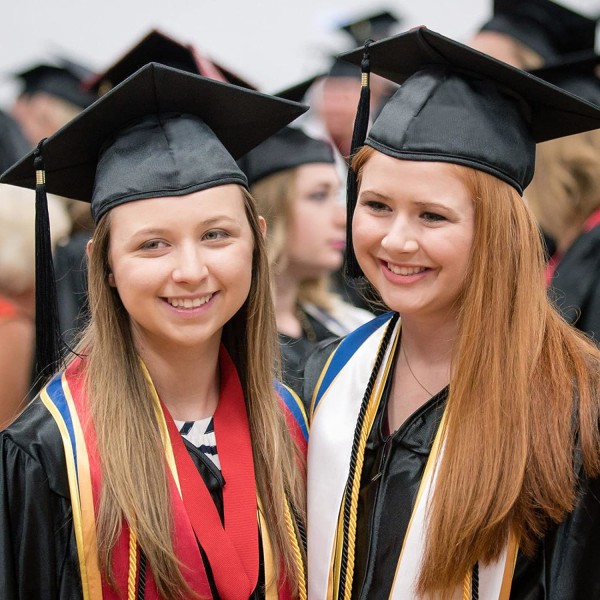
401	237
191	265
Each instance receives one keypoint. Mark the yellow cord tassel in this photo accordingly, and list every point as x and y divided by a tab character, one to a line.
364	434
467	586
131	578
293	535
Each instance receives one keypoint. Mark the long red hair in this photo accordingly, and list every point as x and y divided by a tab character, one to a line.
524	398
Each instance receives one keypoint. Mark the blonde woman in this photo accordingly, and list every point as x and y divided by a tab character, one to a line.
294	180
158	464
455	445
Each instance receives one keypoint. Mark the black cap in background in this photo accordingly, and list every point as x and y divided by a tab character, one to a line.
287	149
297	91
577	74
63	80
546	27
160	48
375	26
161	132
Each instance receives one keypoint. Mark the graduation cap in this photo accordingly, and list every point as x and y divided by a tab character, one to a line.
458	105
374	26
297	91
370	27
287	149
576	74
160	48
546	27
162	132
63	80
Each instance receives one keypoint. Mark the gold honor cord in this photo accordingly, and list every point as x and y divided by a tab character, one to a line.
300	567
370	413
132	576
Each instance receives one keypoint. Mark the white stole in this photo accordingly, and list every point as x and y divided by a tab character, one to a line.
336	404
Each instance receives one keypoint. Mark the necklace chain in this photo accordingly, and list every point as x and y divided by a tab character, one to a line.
412	372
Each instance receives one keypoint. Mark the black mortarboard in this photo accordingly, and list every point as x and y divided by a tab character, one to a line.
546	27
341	68
287	149
63	80
161	132
297	91
576	74
458	105
370	27
160	48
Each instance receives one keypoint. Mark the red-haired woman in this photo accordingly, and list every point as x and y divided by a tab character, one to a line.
455	446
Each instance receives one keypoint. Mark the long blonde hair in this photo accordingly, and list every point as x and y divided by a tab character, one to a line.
565	190
275	196
134	484
524	398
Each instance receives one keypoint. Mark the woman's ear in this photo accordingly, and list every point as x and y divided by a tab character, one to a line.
263	226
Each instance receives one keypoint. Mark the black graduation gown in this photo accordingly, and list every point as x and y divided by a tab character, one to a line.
575	287
70	270
295	351
565	566
38	552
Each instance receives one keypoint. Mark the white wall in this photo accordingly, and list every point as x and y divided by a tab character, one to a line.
271	42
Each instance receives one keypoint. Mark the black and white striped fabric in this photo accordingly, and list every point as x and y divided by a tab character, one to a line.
202	435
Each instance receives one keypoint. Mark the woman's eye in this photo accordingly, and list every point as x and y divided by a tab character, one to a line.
320	196
214	234
433	217
153	245
376	206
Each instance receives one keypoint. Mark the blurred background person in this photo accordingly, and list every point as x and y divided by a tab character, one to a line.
557	44
565	198
13	144
332	96
50	95
295	183
529	33
17	292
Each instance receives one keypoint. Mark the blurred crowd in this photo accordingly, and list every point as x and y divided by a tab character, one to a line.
298	178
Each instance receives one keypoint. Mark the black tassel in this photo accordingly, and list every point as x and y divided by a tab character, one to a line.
47	330
359	134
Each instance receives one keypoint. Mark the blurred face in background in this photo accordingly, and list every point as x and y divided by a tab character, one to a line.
40	115
316	237
507	49
337	109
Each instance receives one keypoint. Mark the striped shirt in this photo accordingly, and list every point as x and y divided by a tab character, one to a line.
202	435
